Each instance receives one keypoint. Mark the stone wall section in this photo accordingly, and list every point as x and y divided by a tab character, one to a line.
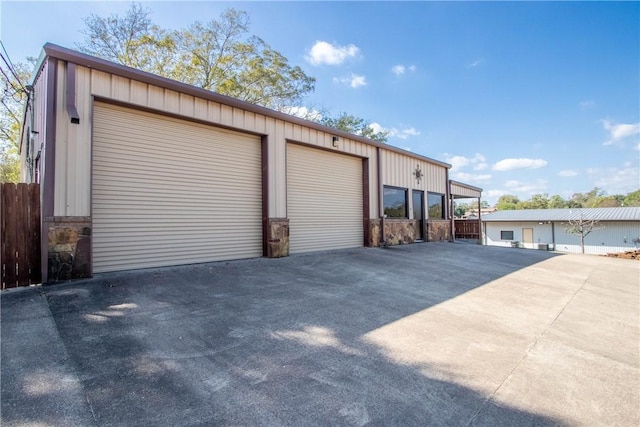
438	230
278	238
69	248
374	235
399	231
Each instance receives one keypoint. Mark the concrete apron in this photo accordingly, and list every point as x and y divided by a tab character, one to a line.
563	342
507	337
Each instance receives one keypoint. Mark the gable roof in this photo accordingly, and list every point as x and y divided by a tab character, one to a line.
599	214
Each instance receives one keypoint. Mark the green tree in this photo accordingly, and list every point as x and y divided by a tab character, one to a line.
557	202
219	55
460	209
589	199
632	199
13	79
354	125
507	202
537	201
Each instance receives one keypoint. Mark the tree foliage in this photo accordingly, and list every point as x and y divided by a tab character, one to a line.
219	55
596	198
13	81
355	125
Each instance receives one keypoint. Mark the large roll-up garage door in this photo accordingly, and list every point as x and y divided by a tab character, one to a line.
168	192
324	200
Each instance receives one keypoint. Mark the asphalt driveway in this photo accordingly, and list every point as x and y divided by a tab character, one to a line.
425	334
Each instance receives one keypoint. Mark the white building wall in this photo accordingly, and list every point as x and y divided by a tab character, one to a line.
613	237
73	141
542	233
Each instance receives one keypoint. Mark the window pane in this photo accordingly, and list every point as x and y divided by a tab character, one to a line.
506	235
395	202
436	205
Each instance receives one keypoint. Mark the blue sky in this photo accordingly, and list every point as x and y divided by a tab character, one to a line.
521	98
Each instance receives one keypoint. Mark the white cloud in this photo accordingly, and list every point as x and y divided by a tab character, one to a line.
395	132
616	180
567	173
471	177
303	112
475	63
398	69
377	127
530	188
326	53
587	105
511	164
354	80
618	132
493	193
459	162
401	69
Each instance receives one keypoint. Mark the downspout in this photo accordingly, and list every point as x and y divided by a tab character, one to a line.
484	232
553	234
480	219
448	207
383	238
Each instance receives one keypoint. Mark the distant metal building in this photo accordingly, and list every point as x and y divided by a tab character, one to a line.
138	171
618	229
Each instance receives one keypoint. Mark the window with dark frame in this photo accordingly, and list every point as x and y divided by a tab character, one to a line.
506	235
395	202
436	205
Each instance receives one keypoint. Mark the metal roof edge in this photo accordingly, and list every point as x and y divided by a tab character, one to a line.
89	61
462	184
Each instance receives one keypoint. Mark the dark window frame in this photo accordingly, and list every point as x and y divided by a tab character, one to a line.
430	205
406	202
502	234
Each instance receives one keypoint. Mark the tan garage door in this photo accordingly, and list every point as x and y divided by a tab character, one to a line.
169	192
324	200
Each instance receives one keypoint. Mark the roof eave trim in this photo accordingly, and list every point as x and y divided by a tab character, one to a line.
82	59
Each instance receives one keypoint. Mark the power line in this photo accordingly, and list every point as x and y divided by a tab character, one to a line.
9	64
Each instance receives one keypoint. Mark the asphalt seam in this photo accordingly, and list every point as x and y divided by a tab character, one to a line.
489	399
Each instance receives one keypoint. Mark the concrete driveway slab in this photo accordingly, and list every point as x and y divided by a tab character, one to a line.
424	334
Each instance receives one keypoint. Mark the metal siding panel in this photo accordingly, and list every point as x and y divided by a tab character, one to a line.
215	112
79	205
139	93
200	109
120	88
324	197
187	107
100	83
226	115
156	98
280	155
170	192
171	102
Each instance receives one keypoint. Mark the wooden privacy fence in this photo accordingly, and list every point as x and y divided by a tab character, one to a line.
20	234
467	229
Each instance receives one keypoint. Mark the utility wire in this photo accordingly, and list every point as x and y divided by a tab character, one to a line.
10	65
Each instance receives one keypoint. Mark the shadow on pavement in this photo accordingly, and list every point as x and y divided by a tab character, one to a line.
255	342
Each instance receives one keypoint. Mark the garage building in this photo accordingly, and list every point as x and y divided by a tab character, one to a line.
139	171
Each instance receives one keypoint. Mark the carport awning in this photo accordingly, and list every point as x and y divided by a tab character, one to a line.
460	190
